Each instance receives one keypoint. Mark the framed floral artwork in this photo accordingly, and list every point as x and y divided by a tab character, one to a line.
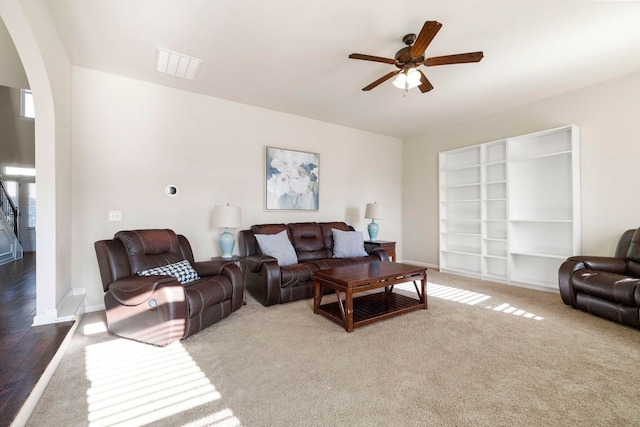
292	179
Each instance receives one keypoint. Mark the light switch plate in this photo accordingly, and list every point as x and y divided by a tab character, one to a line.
115	215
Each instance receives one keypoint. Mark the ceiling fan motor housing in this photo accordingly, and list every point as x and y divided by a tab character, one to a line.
403	57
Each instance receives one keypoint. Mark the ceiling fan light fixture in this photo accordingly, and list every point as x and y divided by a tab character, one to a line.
400	81
413	78
407	79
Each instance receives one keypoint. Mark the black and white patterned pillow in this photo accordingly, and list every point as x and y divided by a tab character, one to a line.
183	271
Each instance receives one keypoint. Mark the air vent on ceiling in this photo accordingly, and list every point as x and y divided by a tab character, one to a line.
176	64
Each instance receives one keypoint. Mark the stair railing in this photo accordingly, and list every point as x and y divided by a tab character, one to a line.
8	208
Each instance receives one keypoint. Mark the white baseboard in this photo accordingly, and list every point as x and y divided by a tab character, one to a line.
421	264
70	308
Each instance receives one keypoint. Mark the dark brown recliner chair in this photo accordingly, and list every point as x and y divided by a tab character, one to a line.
158	309
607	287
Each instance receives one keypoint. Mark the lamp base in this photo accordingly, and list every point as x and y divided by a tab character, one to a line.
373	231
227	241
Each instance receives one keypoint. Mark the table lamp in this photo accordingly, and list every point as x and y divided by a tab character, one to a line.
373	211
227	217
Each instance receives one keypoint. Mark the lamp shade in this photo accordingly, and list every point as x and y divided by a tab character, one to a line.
226	216
374	211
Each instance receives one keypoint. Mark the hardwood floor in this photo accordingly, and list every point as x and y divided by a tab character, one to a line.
25	350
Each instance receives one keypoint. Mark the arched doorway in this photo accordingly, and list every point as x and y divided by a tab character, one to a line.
32	32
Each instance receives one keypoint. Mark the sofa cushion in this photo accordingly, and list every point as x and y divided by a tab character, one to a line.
327	234
150	248
268	228
297	274
307	240
278	246
607	286
183	271
348	244
323	264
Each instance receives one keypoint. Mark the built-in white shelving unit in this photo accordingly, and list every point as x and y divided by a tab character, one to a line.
510	209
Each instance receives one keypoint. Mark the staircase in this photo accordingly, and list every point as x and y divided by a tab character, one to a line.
10	247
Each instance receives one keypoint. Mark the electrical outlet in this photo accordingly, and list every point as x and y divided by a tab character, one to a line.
115	215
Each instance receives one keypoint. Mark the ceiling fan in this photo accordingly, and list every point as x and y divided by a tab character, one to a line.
409	58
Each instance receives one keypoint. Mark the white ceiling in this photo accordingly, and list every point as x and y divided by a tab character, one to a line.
292	55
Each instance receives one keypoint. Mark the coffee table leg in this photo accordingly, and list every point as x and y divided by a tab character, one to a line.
317	296
349	317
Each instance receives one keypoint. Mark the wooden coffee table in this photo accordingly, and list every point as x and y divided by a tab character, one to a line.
373	306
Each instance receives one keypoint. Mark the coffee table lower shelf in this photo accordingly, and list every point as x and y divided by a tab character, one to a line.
372	307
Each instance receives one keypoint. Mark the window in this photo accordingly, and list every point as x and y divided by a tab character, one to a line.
19	171
12	190
31	222
27	108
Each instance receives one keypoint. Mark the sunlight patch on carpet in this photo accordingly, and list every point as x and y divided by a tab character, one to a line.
94	328
509	309
455	294
136	384
463	296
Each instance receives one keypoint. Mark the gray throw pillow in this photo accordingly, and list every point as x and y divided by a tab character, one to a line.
278	246
348	244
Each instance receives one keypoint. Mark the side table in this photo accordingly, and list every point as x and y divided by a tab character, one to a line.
389	247
236	258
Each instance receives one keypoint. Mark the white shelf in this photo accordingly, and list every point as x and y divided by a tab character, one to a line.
462	253
510	209
543	221
541	255
504	257
461	168
540	156
462	201
473	184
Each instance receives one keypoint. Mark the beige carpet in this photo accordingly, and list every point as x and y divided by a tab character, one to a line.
483	354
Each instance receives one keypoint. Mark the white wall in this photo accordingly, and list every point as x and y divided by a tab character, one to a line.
607	115
131	139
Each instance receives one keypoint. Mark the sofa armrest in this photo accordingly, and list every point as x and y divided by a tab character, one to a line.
261	274
601	263
232	271
576	263
378	253
135	290
254	263
211	268
565	280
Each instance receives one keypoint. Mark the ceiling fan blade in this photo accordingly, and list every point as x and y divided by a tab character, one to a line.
427	33
425	85
381	80
372	58
460	58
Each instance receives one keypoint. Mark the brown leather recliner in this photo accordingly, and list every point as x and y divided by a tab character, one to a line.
607	287
158	309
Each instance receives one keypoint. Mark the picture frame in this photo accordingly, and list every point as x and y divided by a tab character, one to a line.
292	179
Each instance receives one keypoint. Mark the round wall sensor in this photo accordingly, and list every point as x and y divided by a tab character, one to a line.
171	190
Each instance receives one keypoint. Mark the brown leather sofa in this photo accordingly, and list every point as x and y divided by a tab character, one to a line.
607	287
159	309
270	283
